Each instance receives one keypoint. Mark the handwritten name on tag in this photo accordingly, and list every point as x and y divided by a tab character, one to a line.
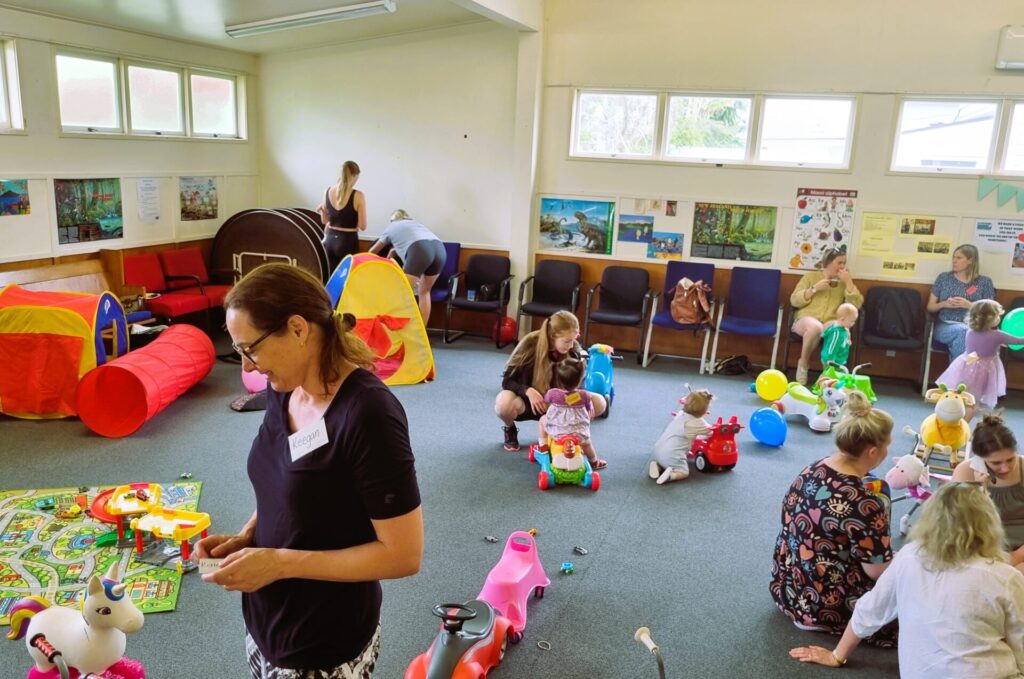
303	442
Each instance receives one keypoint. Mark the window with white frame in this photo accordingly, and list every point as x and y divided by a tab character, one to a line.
90	91
214	113
949	136
10	94
615	124
155	100
88	88
804	131
1013	156
707	128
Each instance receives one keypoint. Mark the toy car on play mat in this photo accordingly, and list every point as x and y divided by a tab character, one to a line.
564	463
472	642
717	452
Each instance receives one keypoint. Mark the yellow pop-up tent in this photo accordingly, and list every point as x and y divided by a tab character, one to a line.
377	293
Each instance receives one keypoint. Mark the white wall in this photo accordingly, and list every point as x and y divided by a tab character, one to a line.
876	48
43	152
428	117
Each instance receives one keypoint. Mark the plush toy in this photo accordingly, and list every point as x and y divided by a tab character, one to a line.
912	474
821	411
946	431
90	641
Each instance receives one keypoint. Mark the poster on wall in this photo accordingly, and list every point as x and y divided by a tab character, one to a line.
938	247
572	225
198	198
727	231
823	221
665	245
899	267
636	228
998	235
14	197
147	195
88	210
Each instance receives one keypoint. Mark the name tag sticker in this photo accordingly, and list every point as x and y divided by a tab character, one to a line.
302	443
209	565
971	290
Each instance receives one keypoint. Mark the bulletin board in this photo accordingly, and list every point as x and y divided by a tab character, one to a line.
903	245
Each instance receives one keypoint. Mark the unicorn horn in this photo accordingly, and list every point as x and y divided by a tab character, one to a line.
118	590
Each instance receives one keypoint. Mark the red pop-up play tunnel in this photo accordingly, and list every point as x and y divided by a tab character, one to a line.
117	398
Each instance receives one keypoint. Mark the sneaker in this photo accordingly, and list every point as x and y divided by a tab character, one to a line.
665	477
801	375
511	438
653	470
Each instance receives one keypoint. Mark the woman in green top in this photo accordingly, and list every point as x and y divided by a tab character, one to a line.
817	297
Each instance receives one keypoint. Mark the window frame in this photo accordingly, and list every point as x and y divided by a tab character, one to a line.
238	89
129	118
658	125
119	106
851	126
123	93
751	126
996	143
11	98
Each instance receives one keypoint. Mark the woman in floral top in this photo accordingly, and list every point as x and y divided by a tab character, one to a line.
835	541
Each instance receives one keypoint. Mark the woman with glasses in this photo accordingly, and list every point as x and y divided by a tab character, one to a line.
951	297
835	541
958	602
995	462
817	297
337	504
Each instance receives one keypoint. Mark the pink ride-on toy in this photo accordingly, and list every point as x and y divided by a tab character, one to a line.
510	582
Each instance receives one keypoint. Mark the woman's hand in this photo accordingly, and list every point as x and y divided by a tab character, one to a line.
816	655
958	303
247	570
220	546
846	277
537	402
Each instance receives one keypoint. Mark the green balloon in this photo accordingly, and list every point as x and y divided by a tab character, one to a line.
1013	323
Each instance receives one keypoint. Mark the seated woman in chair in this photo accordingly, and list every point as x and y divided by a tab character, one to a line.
952	295
817	298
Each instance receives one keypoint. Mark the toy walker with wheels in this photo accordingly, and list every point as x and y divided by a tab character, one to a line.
599	377
472	641
821	411
848	380
564	464
717	452
517	574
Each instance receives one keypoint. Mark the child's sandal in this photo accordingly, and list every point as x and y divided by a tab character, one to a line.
598	464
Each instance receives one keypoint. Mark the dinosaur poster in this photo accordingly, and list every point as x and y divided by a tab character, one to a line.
571	225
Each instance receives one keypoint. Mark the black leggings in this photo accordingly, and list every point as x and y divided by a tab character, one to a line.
339	244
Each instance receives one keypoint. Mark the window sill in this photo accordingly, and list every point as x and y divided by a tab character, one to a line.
108	136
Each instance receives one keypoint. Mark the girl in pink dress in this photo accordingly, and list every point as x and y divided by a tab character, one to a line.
570	410
979	368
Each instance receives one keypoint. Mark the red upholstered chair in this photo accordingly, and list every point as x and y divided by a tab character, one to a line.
186	271
145	270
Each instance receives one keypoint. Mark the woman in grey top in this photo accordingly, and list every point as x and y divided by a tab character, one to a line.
422	253
995	463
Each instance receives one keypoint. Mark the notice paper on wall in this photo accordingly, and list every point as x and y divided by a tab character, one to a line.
998	235
899	267
147	191
877	233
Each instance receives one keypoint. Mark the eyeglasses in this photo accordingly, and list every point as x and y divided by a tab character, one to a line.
247	350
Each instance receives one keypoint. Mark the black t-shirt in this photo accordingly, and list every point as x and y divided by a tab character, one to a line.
322	501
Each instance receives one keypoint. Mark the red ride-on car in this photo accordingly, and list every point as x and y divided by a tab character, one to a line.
717	452
472	642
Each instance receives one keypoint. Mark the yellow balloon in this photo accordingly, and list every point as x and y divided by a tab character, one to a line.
771	384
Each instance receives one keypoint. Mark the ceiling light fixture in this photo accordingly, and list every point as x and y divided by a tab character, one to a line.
321	16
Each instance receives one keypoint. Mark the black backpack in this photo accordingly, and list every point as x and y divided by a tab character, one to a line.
733	365
898	314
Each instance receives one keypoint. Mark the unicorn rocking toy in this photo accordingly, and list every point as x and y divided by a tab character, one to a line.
67	643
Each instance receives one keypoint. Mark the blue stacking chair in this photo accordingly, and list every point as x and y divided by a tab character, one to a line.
661	315
752	308
932	346
439	293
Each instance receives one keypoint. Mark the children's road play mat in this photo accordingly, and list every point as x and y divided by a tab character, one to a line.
48	548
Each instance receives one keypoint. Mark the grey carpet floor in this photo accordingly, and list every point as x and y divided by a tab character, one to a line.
690	560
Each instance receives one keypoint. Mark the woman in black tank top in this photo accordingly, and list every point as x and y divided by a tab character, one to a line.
343	224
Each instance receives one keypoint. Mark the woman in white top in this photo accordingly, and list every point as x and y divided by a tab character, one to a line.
958	600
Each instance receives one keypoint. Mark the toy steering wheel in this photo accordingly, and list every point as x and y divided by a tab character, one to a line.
453	620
